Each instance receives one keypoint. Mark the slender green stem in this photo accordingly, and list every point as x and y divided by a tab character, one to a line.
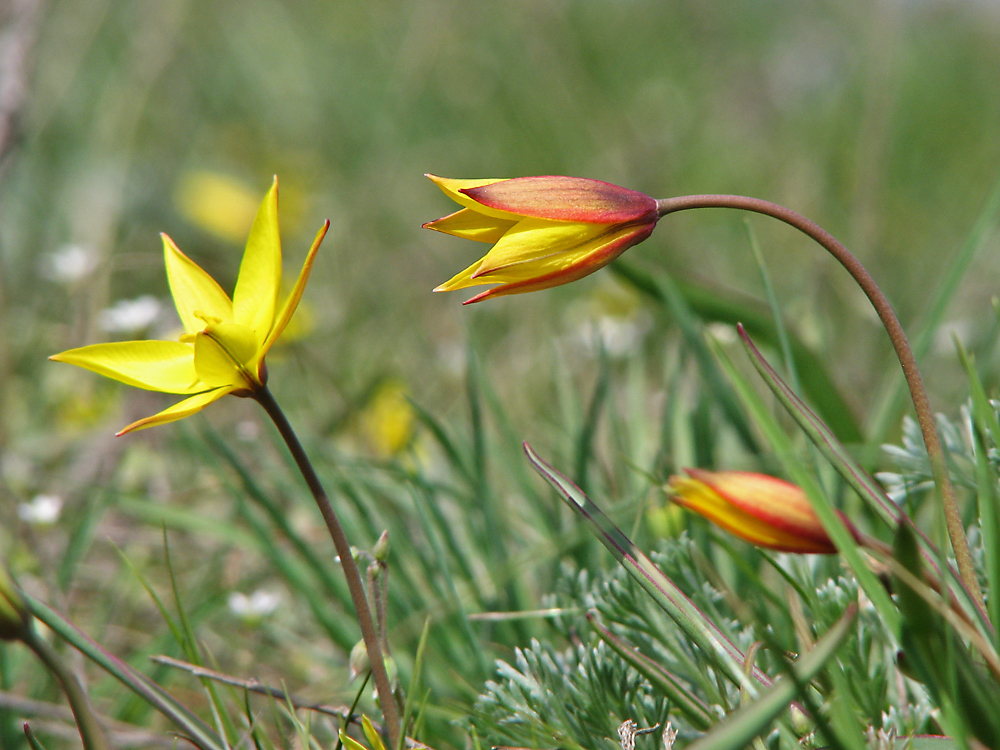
925	417
91	732
355	584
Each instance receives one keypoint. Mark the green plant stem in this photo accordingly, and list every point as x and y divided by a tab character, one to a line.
355	584
925	417
91	732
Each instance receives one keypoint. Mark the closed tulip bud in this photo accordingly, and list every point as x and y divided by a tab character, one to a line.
545	231
763	510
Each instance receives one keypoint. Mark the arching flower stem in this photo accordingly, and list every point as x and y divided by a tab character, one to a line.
390	711
918	394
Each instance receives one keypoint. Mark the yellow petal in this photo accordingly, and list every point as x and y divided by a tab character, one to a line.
373	739
774	501
166	366
451	188
462	279
293	299
534	241
224	355
350	743
256	295
185	408
552	270
472	225
193	289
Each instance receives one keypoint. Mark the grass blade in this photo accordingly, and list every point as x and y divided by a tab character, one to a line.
665	592
739	728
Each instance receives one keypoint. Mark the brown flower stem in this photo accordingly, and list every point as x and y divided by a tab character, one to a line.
925	417
369	633
91	732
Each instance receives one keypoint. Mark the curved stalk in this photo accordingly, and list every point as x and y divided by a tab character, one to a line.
925	417
369	633
91	733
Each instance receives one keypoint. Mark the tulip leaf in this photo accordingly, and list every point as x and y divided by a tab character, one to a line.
705	633
824	439
937	657
986	432
800	475
739	728
196	731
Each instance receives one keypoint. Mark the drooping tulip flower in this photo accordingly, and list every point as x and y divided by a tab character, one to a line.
760	509
545	231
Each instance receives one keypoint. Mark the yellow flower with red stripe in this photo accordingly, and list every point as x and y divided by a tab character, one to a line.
760	509
545	231
224	342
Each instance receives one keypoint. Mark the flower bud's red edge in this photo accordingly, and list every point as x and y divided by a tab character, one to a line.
816	534
565	199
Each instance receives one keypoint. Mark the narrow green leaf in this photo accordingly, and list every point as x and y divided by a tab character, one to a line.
940	660
36	744
585	440
739	728
415	679
772	300
852	472
189	643
194	728
665	592
834	527
824	439
986	433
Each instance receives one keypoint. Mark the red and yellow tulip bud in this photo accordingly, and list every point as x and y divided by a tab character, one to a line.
759	509
545	231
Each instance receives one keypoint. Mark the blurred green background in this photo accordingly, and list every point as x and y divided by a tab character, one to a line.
880	121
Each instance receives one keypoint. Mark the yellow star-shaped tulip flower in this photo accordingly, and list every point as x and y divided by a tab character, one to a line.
224	342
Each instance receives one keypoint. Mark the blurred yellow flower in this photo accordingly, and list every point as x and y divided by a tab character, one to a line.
759	509
547	230
387	420
217	203
224	342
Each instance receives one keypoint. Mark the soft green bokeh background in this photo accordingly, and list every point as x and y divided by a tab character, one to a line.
880	121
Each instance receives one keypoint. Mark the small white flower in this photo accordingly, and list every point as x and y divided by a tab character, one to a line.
618	335
42	510
259	604
130	315
69	264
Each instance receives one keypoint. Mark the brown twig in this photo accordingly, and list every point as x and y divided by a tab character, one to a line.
256	686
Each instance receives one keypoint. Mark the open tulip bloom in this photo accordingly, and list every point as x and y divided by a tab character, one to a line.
545	231
224	342
763	510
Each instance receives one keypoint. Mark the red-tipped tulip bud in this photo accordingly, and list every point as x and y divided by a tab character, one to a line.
545	231
759	509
